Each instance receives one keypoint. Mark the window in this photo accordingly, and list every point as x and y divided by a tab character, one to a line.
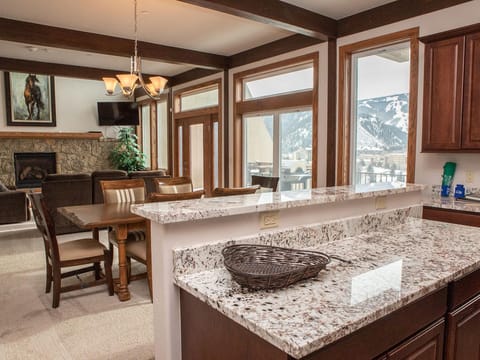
287	81
162	134
145	113
198	140
199	98
378	119
279	144
275	127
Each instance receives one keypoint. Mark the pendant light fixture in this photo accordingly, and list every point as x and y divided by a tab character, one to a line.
129	82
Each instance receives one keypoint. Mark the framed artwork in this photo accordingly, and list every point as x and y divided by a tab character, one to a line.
30	99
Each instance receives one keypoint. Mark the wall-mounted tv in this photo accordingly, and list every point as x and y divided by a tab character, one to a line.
117	113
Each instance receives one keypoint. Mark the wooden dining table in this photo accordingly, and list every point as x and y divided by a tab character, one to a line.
117	216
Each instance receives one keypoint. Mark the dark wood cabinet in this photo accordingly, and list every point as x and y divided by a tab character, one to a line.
451	106
443	94
428	345
451	216
471	103
463	332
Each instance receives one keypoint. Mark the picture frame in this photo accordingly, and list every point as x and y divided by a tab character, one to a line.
30	99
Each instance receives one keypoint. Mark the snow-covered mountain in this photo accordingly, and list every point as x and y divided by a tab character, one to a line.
382	123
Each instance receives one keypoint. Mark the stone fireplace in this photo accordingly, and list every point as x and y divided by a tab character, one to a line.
74	153
31	168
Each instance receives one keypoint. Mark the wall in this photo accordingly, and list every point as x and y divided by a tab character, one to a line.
429	167
76	107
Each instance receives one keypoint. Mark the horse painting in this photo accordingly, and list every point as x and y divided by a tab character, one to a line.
33	97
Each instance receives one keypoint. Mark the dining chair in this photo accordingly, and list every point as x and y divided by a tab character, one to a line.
68	254
220	191
175	185
157	197
128	191
267	183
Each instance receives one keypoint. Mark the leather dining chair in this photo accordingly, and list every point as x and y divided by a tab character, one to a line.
69	254
128	191
173	185
219	191
157	197
267	183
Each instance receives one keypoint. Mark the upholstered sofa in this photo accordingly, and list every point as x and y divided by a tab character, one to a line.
13	207
80	189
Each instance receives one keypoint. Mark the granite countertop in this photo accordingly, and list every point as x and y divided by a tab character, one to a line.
390	269
174	211
453	204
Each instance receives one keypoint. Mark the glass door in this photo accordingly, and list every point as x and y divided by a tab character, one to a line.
196	154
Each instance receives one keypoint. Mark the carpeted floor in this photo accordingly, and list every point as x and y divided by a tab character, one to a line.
89	324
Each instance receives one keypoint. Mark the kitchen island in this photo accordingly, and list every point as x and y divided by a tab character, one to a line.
406	284
184	224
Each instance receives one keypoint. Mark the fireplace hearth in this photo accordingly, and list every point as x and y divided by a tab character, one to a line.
32	167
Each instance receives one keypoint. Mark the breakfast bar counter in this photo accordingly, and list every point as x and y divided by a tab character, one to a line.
177	225
392	266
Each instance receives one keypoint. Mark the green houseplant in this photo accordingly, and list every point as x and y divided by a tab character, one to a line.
126	155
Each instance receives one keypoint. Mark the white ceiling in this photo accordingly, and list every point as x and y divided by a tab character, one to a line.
338	9
166	22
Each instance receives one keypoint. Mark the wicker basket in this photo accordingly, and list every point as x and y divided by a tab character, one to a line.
261	267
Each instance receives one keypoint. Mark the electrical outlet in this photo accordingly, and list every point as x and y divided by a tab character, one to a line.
269	219
469	177
380	202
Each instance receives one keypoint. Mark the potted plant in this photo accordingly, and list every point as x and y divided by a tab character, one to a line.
126	155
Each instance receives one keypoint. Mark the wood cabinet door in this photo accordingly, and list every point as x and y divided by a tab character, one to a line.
463	332
471	104
427	345
443	95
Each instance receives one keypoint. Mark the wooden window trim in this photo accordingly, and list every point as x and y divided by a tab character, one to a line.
344	99
275	102
177	114
153	130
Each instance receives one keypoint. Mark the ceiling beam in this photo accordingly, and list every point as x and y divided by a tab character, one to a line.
44	68
276	13
390	13
190	75
37	34
278	47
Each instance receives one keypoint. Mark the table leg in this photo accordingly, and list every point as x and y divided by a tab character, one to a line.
122	289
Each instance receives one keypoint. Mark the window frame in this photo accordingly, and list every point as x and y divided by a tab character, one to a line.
280	102
216	111
345	121
154	130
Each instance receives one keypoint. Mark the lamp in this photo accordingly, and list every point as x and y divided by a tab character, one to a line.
129	82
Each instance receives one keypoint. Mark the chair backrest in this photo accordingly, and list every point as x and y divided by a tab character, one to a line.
234	191
175	185
149	177
45	225
157	197
266	182
123	191
101	175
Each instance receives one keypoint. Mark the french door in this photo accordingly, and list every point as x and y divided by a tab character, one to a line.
196	152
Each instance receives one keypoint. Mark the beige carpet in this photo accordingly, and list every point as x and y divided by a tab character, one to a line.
89	324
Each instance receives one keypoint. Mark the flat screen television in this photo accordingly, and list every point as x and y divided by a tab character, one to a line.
117	113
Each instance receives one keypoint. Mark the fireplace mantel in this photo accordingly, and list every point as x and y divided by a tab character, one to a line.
49	135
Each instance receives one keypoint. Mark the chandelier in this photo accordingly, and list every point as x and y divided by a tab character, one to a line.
129	82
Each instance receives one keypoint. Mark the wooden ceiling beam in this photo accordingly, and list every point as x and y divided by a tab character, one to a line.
276	13
37	34
391	13
44	68
190	75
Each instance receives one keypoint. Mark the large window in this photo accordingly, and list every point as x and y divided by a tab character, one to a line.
274	132
377	120
279	144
